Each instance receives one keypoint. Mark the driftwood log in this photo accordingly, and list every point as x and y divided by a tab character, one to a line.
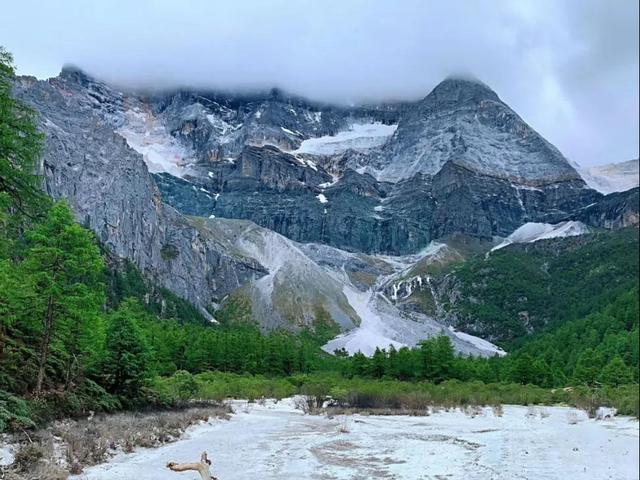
201	467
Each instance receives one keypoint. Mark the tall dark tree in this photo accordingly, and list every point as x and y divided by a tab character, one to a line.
64	268
437	359
616	373
20	144
126	363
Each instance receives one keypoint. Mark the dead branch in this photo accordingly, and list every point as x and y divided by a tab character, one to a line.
201	467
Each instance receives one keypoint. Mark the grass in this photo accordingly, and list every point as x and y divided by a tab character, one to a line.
68	446
398	395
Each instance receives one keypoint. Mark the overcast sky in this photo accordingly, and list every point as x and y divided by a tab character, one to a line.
569	68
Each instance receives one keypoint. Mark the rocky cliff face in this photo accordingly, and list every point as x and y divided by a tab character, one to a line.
460	160
111	192
613	211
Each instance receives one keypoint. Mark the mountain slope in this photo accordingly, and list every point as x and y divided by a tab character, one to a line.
309	283
108	186
469	164
525	288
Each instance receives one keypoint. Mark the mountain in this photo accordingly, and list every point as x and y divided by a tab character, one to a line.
462	121
459	160
303	215
613	211
108	186
312	283
612	177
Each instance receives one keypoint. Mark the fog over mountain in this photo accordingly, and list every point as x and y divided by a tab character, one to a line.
570	68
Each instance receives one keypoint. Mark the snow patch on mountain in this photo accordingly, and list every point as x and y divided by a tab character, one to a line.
222	127
383	324
359	136
303	278
612	177
478	342
532	232
373	332
148	137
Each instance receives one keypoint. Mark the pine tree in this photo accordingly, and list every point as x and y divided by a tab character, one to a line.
406	368
523	370
437	359
616	373
359	364
588	367
20	144
126	364
378	363
64	268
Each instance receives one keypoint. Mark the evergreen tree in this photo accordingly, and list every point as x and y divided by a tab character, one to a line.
437	359
20	144
523	370
392	363
406	365
359	364
126	363
616	373
378	363
64	268
588	367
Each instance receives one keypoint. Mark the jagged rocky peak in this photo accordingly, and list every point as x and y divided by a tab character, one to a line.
612	177
464	122
74	73
123	160
460	90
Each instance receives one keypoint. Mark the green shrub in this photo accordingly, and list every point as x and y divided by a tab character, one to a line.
14	412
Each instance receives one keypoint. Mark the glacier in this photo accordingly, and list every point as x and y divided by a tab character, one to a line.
533	232
359	136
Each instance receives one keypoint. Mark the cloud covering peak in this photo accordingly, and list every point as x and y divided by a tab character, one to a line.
569	68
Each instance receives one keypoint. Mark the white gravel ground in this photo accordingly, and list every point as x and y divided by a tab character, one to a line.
275	441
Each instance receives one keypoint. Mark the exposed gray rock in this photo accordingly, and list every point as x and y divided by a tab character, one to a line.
461	160
463	121
613	211
112	193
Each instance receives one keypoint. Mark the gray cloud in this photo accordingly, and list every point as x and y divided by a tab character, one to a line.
569	68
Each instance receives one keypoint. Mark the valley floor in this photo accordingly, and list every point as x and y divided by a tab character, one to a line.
276	441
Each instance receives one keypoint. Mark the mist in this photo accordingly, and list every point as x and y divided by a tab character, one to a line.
569	68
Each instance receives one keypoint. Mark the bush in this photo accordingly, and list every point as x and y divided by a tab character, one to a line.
14	412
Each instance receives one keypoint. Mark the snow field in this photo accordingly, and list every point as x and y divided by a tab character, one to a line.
359	136
161	151
532	232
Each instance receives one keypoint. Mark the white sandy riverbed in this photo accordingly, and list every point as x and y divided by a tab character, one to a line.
275	441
